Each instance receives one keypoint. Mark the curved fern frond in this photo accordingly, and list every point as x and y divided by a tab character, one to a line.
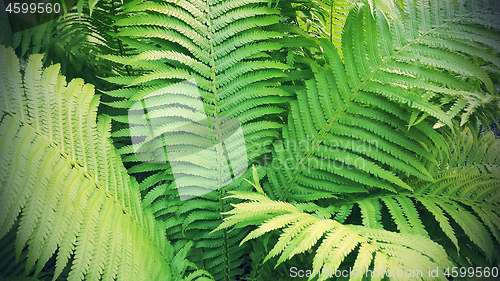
389	252
347	141
461	204
461	207
374	97
63	184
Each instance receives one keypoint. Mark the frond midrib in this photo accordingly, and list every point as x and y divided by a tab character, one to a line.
217	128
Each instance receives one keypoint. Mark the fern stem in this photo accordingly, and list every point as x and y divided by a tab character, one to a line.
331	20
217	137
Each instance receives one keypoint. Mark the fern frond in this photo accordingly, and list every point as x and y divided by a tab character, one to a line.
339	139
461	204
205	74
70	201
332	110
462	201
302	231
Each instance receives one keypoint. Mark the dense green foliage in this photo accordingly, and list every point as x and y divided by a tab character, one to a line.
364	122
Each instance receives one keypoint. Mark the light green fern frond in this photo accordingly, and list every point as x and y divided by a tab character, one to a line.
63	186
387	251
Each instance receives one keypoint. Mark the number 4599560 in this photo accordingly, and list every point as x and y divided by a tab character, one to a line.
471	272
33	8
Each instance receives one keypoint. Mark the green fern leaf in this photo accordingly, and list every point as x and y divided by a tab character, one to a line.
301	231
222	49
65	200
461	183
386	80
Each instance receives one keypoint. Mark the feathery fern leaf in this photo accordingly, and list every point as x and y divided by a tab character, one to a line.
371	98
302	231
63	183
202	80
462	202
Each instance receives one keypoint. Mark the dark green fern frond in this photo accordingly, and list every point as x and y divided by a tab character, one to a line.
461	204
217	46
65	186
353	120
72	40
471	155
205	97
